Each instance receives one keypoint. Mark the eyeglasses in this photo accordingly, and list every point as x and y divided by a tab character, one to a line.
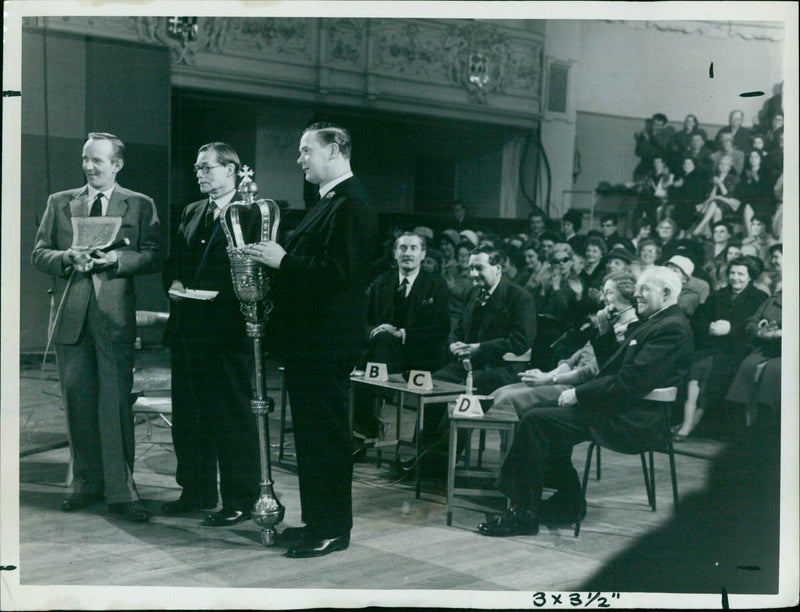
563	260
204	168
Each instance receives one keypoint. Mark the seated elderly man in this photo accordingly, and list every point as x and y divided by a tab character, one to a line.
611	409
543	388
498	317
695	290
407	324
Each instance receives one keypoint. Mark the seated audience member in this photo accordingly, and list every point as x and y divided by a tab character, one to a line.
647	254
469	235
461	217
720	203
719	273
721	234
594	270
682	140
773	164
610	408
535	271
740	136
571	224
608	225
618	260
700	154
776	266
458	281
760	239
642	230
548	240
754	192
774	133
688	190
558	305
543	388
759	146
537	222
655	140
694	291
448	241
513	264
407	324
654	190
758	380
432	264
667	231
721	344
497	317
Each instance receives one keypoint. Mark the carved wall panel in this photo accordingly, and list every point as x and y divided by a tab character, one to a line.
456	68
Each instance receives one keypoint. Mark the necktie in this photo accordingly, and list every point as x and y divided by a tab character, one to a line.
484	296
97	206
401	290
210	210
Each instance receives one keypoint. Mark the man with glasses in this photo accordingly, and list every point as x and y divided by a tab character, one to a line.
211	355
95	331
610	408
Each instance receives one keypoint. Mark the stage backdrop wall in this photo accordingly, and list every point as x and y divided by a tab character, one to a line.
73	85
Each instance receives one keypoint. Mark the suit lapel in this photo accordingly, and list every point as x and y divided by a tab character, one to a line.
493	305
78	205
321	207
118	204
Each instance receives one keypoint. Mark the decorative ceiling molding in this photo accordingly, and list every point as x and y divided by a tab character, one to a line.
746	30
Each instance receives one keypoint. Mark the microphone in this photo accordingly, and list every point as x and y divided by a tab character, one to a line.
117	244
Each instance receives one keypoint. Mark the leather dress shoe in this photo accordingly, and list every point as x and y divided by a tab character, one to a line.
562	508
226	517
317	548
184	505
512	522
134	511
294	535
76	501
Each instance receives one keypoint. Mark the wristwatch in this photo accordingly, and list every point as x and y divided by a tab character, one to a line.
554	378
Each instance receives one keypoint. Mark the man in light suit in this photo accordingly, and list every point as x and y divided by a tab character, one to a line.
407	324
96	329
320	279
212	359
610	409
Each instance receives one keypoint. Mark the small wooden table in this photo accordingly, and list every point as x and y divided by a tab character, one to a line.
441	393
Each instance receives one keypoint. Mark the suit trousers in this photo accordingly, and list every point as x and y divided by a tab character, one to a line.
96	377
212	422
318	398
522	398
541	454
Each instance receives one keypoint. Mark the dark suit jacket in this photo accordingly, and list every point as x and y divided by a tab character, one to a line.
201	262
509	324
654	354
427	322
322	280
117	298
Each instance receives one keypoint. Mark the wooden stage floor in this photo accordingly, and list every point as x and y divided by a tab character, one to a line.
397	543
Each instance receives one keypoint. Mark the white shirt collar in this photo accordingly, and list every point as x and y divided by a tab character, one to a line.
493	287
93	194
411	278
326	187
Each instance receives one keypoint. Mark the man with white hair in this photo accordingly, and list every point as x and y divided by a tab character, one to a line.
610	409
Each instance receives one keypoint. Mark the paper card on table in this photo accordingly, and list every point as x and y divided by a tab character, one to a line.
376	371
467	407
420	379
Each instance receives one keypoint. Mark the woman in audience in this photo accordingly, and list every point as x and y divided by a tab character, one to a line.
688	190
700	154
653	190
535	270
647	254
514	265
557	304
682	140
715	260
667	231
432	264
594	269
757	381
642	230
719	274
754	193
543	388
571	224
448	241
776	266
759	239
458	280
720	203
722	343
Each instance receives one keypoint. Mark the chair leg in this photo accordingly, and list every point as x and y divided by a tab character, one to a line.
599	448
673	474
378	451
653	480
481	446
585	482
647	482
451	470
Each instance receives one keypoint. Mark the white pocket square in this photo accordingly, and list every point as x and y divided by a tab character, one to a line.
632	342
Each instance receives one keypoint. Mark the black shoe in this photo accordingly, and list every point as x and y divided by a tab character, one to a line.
226	517
185	505
134	511
562	508
510	523
76	501
318	548
294	535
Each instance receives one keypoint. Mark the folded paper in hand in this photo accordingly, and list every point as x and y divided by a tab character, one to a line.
194	294
94	232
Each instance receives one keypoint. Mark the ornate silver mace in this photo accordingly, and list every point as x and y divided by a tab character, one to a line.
251	282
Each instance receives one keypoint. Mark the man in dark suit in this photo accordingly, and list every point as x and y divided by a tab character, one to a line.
408	322
211	355
95	331
611	409
498	318
320	279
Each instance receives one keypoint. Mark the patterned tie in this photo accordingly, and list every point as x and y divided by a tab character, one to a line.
97	206
484	296
209	217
